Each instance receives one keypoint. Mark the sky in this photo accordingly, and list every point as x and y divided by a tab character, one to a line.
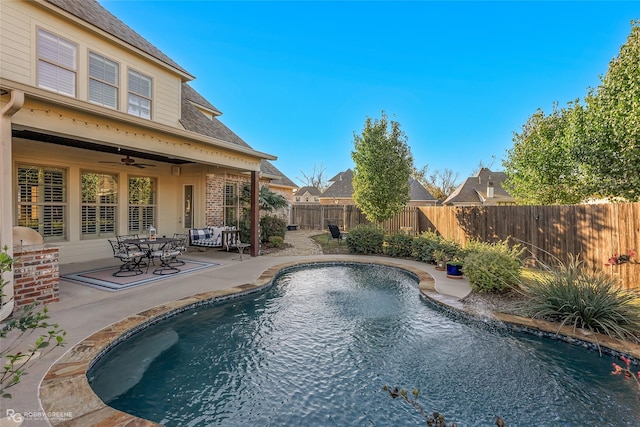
297	79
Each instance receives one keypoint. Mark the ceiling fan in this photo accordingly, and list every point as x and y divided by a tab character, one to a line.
128	161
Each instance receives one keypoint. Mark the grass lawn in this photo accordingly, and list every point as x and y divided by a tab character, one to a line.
330	246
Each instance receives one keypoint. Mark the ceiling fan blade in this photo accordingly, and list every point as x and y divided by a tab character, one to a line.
138	165
145	164
112	163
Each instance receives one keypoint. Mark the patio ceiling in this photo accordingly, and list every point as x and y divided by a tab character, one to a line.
85	145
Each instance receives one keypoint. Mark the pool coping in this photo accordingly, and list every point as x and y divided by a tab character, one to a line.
66	395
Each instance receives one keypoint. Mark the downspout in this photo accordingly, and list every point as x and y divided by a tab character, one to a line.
255	213
6	201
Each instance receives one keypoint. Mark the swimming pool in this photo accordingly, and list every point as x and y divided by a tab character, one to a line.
319	345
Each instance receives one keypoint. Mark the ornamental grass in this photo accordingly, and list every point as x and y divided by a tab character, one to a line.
575	296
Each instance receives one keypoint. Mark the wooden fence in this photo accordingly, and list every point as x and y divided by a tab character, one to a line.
317	217
595	232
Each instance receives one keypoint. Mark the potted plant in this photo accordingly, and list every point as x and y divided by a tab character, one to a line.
454	269
441	259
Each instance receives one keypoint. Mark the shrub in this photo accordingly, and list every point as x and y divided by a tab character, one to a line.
276	241
424	245
398	245
588	299
365	239
492	267
272	226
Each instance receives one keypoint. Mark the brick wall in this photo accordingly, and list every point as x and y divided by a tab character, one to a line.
35	275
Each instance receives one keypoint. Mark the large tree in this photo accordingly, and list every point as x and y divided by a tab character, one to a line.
541	167
612	144
383	166
583	151
440	183
316	178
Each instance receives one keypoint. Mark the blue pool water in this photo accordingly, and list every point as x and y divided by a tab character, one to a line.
317	348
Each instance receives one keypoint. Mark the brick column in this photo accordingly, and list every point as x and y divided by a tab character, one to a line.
36	275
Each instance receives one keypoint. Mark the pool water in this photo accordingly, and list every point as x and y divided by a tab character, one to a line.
317	348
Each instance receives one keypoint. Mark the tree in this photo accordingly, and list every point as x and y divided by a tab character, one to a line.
439	183
542	167
383	166
612	145
584	151
316	178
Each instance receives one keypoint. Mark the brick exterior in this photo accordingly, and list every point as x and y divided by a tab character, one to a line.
36	276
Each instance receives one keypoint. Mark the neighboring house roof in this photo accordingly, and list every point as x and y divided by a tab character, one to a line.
342	186
313	191
474	189
417	192
94	13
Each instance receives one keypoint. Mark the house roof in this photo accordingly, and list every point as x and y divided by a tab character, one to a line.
474	189
269	169
309	189
93	13
192	119
342	185
417	191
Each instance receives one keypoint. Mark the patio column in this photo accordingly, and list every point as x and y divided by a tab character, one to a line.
6	189
255	213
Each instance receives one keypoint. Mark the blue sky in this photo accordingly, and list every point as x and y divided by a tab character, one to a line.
296	78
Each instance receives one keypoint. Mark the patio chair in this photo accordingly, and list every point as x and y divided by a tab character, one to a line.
164	255
179	245
130	257
335	233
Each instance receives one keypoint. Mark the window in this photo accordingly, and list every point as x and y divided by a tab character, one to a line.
57	59
103	81
142	204
99	204
139	95
231	202
42	200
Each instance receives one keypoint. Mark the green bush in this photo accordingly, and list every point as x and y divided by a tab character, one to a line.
365	239
593	300
272	226
276	241
425	246
398	245
492	267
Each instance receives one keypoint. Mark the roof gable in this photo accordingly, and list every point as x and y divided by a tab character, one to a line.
474	189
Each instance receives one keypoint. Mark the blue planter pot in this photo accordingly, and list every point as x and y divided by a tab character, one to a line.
454	271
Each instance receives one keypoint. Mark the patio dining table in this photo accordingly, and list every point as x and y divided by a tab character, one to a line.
154	246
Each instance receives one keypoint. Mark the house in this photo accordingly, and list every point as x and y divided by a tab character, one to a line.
340	192
307	195
483	189
102	135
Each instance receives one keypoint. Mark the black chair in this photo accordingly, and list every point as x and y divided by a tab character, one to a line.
178	247
130	257
335	233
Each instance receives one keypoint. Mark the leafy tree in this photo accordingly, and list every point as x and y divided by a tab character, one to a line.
612	145
268	200
542	167
383	165
584	151
439	183
316	178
